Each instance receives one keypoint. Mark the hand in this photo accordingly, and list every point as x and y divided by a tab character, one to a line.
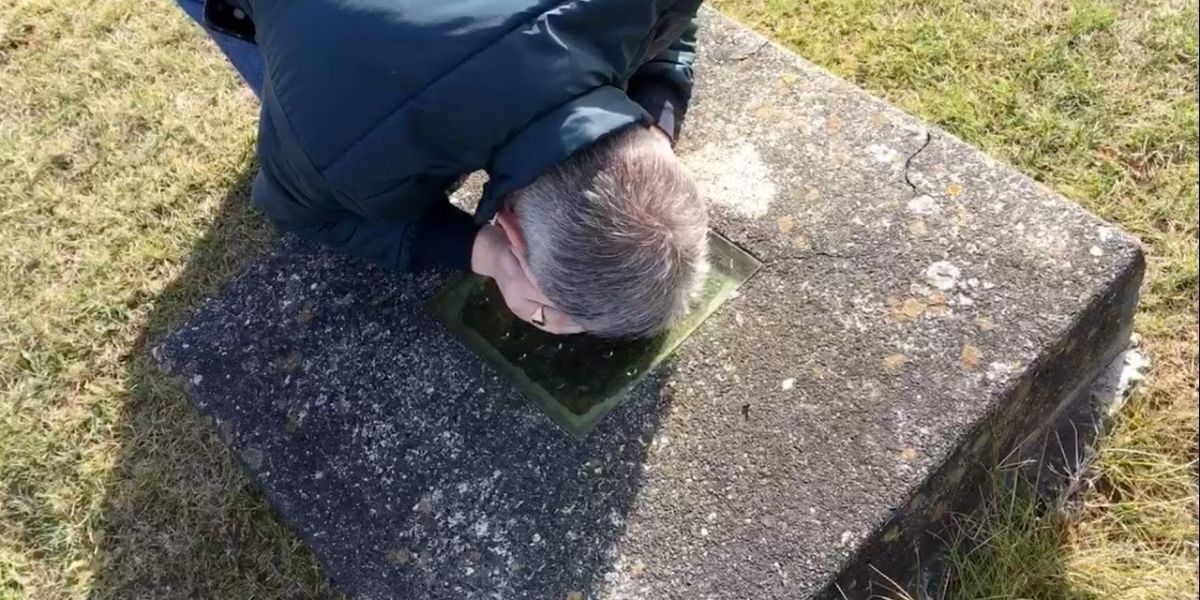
492	256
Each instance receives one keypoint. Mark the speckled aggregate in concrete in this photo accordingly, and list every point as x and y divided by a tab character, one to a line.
920	308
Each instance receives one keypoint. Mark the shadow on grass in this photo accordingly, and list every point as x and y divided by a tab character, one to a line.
181	520
1014	544
1011	547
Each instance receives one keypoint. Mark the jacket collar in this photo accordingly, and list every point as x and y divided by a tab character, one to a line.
552	137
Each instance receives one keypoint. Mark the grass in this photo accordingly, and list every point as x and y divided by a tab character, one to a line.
125	148
126	145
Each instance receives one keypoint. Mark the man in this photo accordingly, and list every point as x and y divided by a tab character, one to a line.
372	109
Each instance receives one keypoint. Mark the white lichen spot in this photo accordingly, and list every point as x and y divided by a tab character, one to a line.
1096	251
481	528
788	383
883	153
942	275
733	177
922	205
1134	367
1000	371
846	537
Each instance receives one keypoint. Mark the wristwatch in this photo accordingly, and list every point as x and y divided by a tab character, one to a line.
226	17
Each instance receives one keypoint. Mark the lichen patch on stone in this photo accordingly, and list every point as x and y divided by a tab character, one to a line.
734	177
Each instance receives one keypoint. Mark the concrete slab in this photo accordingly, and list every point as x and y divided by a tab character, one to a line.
921	308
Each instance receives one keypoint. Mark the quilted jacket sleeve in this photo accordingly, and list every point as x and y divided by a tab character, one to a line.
295	197
663	85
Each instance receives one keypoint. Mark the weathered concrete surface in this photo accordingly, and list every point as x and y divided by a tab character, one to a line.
921	308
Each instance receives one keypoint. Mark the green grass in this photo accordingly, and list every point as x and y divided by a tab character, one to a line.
125	148
126	145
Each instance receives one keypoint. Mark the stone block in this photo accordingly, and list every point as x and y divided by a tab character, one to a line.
920	309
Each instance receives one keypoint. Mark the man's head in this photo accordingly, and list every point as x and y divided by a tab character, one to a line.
615	236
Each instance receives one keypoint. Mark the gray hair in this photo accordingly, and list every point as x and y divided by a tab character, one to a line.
617	235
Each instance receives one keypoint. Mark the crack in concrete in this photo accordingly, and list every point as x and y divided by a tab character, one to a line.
825	254
908	161
753	52
804	257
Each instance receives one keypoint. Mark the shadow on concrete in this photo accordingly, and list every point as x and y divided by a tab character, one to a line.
180	518
183	520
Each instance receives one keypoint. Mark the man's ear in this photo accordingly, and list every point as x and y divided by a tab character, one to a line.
507	219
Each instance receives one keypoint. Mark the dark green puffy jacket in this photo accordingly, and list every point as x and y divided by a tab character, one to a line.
371	109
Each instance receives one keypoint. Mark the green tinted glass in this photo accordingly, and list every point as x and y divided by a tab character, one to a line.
577	379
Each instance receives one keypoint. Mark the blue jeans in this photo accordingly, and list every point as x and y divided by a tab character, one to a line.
243	55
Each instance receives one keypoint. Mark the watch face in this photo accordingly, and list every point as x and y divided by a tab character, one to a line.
577	379
225	18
